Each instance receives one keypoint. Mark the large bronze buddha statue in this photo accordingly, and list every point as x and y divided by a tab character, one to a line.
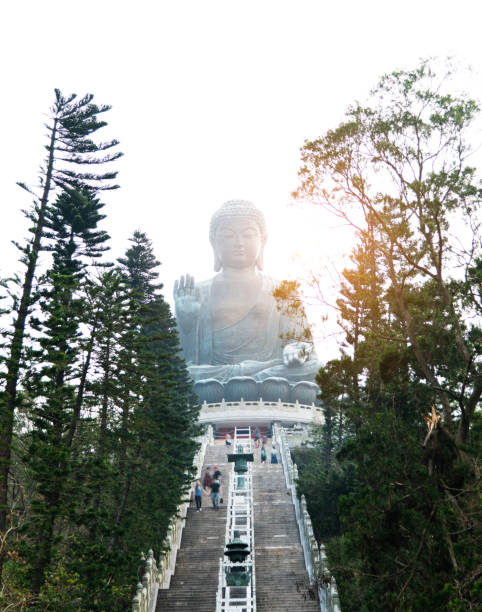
231	325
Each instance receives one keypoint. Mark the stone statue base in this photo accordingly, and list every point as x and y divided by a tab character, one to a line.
272	389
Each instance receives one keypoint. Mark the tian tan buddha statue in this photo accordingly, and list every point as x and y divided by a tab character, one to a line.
230	325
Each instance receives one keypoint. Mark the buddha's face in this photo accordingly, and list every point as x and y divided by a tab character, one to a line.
238	243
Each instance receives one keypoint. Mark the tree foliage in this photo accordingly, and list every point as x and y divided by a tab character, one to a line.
69	148
398	505
103	433
397	170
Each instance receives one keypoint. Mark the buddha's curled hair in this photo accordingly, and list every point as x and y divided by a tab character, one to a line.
238	208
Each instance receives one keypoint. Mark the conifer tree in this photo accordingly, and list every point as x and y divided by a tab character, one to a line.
70	149
72	224
104	572
134	465
164	411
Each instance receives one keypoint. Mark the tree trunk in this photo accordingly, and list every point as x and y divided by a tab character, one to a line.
422	362
125	496
101	449
80	392
45	550
9	399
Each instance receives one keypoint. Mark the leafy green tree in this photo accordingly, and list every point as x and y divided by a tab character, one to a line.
399	506
399	168
405	540
70	148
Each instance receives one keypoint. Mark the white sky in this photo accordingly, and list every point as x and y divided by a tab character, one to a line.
212	101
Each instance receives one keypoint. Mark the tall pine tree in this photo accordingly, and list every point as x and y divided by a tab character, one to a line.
72	225
165	408
70	150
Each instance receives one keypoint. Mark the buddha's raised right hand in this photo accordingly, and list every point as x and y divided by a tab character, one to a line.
188	302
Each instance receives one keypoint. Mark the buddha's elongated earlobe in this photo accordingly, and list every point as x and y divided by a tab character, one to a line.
217	263
259	259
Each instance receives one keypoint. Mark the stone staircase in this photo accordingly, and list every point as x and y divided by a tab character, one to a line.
281	578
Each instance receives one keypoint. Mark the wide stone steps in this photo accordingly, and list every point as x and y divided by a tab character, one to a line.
281	578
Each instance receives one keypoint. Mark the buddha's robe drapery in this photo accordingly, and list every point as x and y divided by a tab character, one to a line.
252	346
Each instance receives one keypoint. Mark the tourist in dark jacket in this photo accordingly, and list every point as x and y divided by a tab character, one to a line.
207	479
256	437
264	455
215	491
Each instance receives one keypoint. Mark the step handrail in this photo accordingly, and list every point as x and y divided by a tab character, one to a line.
315	556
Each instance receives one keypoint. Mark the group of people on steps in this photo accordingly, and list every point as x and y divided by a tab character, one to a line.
263	440
211	482
211	485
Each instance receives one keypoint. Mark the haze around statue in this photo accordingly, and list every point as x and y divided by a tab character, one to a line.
231	325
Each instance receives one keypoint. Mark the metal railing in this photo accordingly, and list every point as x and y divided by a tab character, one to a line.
315	556
158	575
240	518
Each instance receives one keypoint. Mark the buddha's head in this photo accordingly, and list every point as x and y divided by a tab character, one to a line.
238	235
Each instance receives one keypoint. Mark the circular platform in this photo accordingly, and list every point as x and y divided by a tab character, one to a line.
258	412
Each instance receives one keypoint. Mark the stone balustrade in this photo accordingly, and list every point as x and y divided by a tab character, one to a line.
144	589
247	412
315	556
158	575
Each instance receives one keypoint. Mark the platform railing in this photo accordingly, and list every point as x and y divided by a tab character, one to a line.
315	556
259	403
229	413
158	575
